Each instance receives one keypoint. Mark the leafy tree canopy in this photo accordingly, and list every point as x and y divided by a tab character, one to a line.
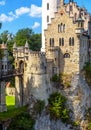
27	34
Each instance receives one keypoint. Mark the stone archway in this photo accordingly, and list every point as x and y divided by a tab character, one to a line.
21	66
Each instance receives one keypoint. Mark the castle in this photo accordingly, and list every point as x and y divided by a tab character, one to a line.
66	47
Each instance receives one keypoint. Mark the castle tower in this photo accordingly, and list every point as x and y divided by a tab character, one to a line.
49	7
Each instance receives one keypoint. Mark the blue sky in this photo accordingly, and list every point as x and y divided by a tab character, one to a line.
18	14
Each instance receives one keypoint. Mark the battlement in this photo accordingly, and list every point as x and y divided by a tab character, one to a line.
37	54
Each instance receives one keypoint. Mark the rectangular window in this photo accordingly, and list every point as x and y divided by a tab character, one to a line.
47	6
60	42
47	18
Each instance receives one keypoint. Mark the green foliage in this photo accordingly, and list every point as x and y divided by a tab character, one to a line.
87	69
89	126
57	107
4	36
22	122
22	35
34	40
76	123
55	78
39	106
11	113
88	117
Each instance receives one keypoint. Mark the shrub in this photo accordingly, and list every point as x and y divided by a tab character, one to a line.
57	107
55	78
22	122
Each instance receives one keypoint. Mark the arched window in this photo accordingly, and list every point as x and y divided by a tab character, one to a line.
66	55
61	28
51	42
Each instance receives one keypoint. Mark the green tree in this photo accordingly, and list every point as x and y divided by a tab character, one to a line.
34	40
4	36
22	35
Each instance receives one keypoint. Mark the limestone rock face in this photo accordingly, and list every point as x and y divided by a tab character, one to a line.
78	101
79	95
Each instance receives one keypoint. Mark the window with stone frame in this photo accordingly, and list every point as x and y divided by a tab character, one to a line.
61	28
66	55
51	42
61	41
71	41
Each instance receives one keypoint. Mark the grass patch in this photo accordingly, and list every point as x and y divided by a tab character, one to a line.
11	110
12	113
10	102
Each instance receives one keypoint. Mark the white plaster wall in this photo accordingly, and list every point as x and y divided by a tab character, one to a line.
45	13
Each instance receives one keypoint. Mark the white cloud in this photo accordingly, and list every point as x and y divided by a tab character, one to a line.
35	11
36	25
2	2
5	18
21	11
